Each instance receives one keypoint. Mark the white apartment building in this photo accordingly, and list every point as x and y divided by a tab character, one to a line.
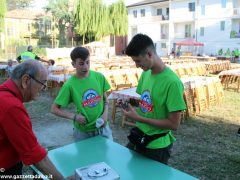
216	23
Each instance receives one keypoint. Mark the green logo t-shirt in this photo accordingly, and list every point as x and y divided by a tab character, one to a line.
87	95
160	94
27	56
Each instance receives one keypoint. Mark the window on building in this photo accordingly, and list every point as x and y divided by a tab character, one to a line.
202	9
167	11
134	31
40	25
191	7
163	45
29	27
201	31
222	26
10	31
142	12
164	31
159	12
48	27
135	13
224	3
187	30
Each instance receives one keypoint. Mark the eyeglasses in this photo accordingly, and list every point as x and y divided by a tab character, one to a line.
44	86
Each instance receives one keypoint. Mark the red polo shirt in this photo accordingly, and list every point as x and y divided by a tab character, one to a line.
17	140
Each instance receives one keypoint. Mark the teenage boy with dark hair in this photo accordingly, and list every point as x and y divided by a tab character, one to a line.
161	100
87	91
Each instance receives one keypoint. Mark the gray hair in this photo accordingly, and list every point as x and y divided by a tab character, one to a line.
31	67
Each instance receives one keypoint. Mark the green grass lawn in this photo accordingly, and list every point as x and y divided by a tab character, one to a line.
208	145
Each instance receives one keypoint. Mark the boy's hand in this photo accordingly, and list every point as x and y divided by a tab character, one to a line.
131	113
81	119
105	120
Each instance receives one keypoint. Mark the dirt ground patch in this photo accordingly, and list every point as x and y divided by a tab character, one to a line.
53	131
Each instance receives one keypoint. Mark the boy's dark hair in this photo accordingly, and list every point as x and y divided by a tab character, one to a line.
79	52
52	61
139	44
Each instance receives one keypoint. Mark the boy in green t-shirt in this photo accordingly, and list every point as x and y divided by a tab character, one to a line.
87	91
161	99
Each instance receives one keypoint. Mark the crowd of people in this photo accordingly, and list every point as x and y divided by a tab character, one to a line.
159	111
232	55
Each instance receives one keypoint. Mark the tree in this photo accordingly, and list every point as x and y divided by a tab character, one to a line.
18	4
82	15
119	17
3	10
94	19
62	15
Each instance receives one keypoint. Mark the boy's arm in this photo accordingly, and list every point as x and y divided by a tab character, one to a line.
56	109
105	110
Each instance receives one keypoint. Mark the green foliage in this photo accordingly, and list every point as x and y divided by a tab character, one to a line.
233	34
119	15
16	42
93	18
3	10
62	17
40	51
18	4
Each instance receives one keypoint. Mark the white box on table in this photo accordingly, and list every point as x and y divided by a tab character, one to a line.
98	171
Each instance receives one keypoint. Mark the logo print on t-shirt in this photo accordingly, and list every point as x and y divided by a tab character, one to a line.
90	98
145	102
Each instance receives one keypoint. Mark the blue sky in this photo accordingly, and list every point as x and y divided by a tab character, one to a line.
41	3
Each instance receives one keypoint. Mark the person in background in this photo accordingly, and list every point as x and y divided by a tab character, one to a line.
87	91
228	53
220	52
18	143
178	54
233	56
9	68
29	55
161	99
173	53
51	65
237	54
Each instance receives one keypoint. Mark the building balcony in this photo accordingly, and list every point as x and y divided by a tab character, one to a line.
183	36
164	36
148	19
234	34
236	12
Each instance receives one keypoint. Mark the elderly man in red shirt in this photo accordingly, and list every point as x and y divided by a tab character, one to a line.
18	144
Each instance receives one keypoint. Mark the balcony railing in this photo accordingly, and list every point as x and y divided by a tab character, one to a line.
183	36
164	36
149	19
